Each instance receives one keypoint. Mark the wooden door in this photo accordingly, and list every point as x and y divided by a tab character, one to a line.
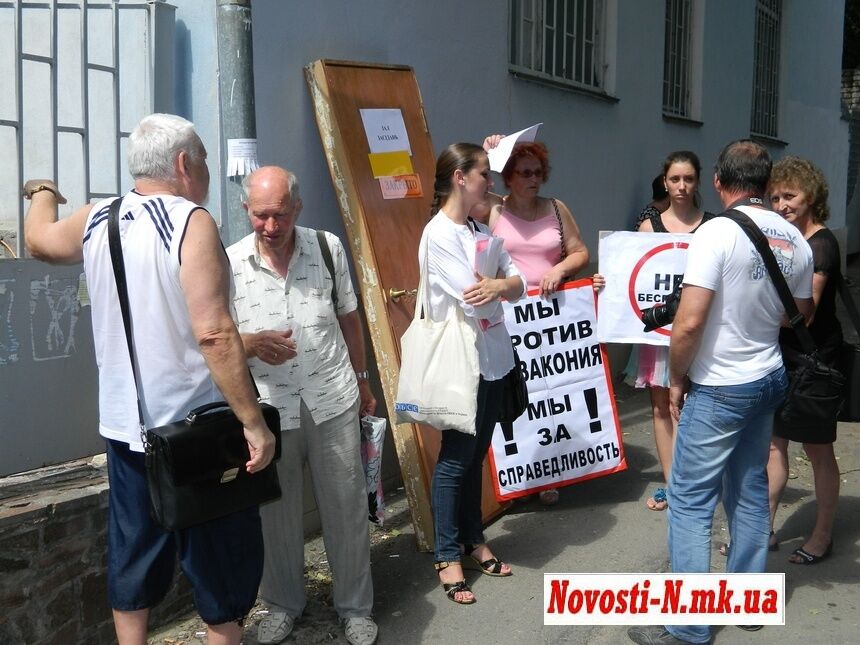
383	237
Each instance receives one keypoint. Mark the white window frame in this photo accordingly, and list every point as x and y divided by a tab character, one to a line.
764	117
579	58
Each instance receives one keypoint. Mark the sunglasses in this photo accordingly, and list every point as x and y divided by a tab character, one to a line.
529	173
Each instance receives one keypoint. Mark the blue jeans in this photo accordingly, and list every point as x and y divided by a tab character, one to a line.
722	445
456	489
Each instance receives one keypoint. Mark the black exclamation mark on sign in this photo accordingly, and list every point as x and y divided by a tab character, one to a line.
508	432
591	403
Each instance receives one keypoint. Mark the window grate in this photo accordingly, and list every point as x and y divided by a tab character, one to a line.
560	40
676	58
75	85
765	99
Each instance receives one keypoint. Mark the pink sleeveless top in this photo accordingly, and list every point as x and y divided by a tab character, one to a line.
535	247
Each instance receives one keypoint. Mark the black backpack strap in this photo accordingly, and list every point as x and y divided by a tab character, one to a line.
329	263
760	242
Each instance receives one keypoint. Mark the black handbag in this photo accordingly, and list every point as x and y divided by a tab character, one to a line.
815	390
849	360
515	396
195	467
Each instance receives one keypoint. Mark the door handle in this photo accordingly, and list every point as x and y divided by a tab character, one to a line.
396	294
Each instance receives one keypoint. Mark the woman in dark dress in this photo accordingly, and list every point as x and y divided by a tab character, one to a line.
798	192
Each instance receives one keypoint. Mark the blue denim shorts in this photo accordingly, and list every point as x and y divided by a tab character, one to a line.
222	559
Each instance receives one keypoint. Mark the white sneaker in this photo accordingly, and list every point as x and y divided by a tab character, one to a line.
275	627
360	631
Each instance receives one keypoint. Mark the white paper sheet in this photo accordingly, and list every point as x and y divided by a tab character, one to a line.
385	130
241	157
500	154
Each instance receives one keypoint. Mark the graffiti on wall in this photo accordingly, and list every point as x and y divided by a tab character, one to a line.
54	311
8	341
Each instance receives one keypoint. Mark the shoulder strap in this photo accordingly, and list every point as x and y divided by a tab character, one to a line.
760	242
705	217
657	223
329	263
118	263
560	228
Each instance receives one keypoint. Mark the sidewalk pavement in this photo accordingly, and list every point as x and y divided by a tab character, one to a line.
601	525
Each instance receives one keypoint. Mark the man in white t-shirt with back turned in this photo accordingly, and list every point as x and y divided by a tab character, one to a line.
724	357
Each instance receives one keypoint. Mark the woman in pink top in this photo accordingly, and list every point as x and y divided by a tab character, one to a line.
540	233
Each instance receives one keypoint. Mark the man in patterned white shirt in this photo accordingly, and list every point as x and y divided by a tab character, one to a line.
309	361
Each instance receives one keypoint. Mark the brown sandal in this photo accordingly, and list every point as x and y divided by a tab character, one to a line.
453	588
490	567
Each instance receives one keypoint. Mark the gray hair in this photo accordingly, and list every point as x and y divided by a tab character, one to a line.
155	143
292	185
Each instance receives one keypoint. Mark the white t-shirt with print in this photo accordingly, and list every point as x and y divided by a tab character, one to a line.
740	339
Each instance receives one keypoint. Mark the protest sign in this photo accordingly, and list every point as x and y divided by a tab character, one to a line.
570	430
641	270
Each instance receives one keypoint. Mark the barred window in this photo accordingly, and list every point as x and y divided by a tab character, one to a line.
559	40
676	58
765	98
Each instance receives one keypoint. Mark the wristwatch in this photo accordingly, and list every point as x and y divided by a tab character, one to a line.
39	188
363	375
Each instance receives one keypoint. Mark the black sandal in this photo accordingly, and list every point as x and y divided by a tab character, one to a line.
453	588
805	557
489	567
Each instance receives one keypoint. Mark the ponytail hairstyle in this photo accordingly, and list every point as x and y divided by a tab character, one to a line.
457	156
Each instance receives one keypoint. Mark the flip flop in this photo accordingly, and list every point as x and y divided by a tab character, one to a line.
657	499
810	558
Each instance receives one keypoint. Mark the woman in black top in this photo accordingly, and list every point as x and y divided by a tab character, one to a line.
798	192
659	201
649	364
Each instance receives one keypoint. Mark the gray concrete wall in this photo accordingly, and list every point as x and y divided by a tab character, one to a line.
604	154
48	381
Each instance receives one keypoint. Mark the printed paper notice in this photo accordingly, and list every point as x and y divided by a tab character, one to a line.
385	130
499	155
401	187
389	164
241	157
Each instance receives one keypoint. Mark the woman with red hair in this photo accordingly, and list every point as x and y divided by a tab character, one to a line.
539	233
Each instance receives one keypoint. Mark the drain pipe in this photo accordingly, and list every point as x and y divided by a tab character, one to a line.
238	121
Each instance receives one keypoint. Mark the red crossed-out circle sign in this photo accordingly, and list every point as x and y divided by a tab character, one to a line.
631	285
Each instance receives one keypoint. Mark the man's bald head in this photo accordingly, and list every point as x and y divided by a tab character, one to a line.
273	204
272	179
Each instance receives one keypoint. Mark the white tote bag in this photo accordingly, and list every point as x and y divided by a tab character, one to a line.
439	369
